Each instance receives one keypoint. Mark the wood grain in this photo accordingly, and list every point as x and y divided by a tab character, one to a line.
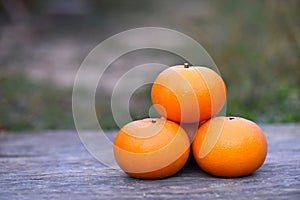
55	165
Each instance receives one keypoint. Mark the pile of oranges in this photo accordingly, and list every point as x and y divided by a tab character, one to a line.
188	98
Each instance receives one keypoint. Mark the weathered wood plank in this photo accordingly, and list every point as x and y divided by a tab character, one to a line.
55	165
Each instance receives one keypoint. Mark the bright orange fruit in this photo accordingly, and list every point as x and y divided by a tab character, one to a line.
229	147
188	94
151	148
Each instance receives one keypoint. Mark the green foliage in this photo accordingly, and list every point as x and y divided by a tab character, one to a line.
255	44
27	105
259	58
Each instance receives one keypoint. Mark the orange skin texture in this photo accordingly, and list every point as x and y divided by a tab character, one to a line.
188	95
240	149
151	148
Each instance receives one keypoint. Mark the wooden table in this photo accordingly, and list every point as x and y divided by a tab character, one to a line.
55	165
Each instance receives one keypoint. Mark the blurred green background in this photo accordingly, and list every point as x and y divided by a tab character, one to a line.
255	44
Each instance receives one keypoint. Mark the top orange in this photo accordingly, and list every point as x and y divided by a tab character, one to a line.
188	94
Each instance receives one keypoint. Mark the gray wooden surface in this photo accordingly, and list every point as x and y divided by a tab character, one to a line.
55	165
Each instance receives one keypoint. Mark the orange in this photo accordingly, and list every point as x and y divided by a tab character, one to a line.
188	94
151	148
229	147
